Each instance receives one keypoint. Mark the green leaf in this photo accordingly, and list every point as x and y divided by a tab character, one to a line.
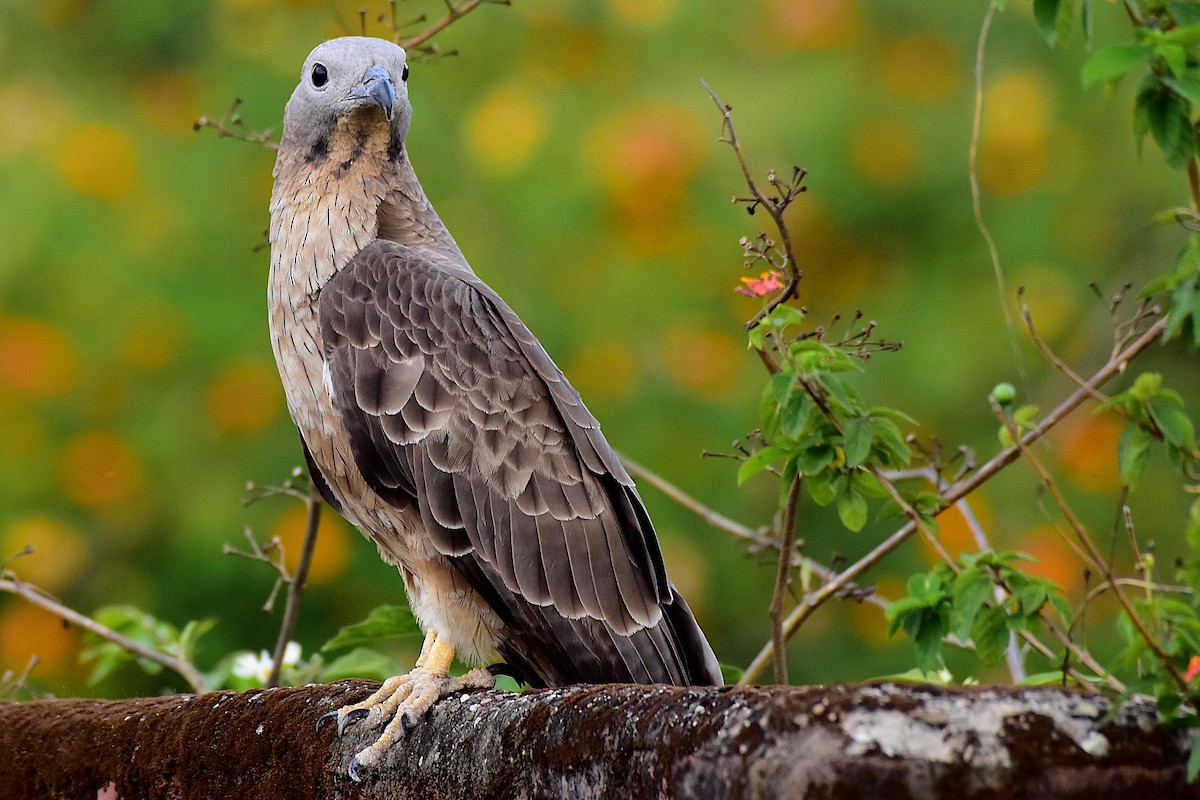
191	634
1186	87
384	622
1184	12
823	486
859	434
731	674
1171	126
1062	607
852	509
1193	762
990	634
1185	310
1175	425
1175	56
781	386
972	588
893	450
812	460
1048	15
1042	679
1133	454
757	462
794	414
1193	525
361	662
1109	63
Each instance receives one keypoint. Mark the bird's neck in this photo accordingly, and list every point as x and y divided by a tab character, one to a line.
333	198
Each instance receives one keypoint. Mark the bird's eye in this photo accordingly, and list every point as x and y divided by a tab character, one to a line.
320	75
404	74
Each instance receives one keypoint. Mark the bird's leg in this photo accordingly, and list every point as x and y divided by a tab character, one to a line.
404	699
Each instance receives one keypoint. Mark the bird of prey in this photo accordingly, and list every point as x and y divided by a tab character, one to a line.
433	420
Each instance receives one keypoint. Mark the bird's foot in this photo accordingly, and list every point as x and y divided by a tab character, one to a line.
401	701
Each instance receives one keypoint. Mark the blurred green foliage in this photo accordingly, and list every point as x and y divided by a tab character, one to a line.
573	153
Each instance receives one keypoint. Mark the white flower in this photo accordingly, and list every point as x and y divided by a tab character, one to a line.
248	666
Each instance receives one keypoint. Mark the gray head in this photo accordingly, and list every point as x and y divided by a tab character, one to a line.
351	79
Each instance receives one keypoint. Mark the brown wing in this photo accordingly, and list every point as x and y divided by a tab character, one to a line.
453	405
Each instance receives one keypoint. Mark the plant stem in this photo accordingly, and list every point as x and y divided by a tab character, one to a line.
295	583
783	576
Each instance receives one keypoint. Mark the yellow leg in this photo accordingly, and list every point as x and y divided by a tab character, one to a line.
430	638
404	699
438	658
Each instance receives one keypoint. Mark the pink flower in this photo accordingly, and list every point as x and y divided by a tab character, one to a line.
761	286
1193	669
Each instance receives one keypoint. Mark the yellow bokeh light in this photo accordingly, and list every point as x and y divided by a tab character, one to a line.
35	357
604	370
1016	118
922	68
99	469
332	550
644	12
1050	296
955	533
59	552
1054	558
245	397
814	24
885	151
167	102
645	157
505	128
703	361
33	115
151	337
1088	451
26	631
99	160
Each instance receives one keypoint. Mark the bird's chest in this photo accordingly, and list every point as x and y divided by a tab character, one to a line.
306	251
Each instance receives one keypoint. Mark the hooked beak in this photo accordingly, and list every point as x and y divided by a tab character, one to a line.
376	87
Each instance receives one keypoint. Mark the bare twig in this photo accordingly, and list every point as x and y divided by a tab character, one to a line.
296	583
42	600
453	14
783	577
231	126
11	684
775	207
757	539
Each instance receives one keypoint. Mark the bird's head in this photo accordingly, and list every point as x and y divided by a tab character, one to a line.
352	86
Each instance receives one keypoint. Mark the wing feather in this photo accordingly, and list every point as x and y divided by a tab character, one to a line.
451	404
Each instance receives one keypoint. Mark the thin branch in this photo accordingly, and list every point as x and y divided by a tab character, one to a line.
755	538
774	208
783	576
295	584
1089	544
42	600
232	126
453	14
1054	360
953	493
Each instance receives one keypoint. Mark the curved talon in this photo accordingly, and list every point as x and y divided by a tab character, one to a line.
407	723
324	718
351	717
353	770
